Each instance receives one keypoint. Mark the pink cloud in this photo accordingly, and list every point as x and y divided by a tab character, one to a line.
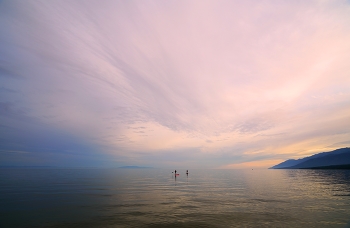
191	72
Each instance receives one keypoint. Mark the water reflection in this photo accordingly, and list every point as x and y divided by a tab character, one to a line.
158	198
335	182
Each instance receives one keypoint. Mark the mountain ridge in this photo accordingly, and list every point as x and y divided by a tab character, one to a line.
337	158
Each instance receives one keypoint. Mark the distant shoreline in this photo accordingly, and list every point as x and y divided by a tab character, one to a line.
347	166
135	167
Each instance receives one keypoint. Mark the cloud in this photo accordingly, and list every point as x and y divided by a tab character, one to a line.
217	79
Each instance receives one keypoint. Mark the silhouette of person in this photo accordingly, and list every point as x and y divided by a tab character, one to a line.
175	172
187	172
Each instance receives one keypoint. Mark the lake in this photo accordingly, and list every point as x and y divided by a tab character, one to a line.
155	198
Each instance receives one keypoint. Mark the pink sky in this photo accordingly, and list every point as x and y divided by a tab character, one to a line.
200	84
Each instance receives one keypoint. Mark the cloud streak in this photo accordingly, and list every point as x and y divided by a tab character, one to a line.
216	82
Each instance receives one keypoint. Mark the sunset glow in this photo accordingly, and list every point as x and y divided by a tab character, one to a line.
191	84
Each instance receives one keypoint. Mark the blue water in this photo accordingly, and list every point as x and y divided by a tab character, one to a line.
155	198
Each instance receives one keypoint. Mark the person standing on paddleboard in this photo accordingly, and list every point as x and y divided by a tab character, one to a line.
175	172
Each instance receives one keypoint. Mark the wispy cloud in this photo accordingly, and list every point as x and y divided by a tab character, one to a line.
216	82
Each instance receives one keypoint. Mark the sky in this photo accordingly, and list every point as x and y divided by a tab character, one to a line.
172	84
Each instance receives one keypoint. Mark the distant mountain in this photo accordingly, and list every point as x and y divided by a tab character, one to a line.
336	159
287	163
293	162
27	167
135	167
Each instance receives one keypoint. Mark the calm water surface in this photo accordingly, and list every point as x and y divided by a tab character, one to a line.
155	198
